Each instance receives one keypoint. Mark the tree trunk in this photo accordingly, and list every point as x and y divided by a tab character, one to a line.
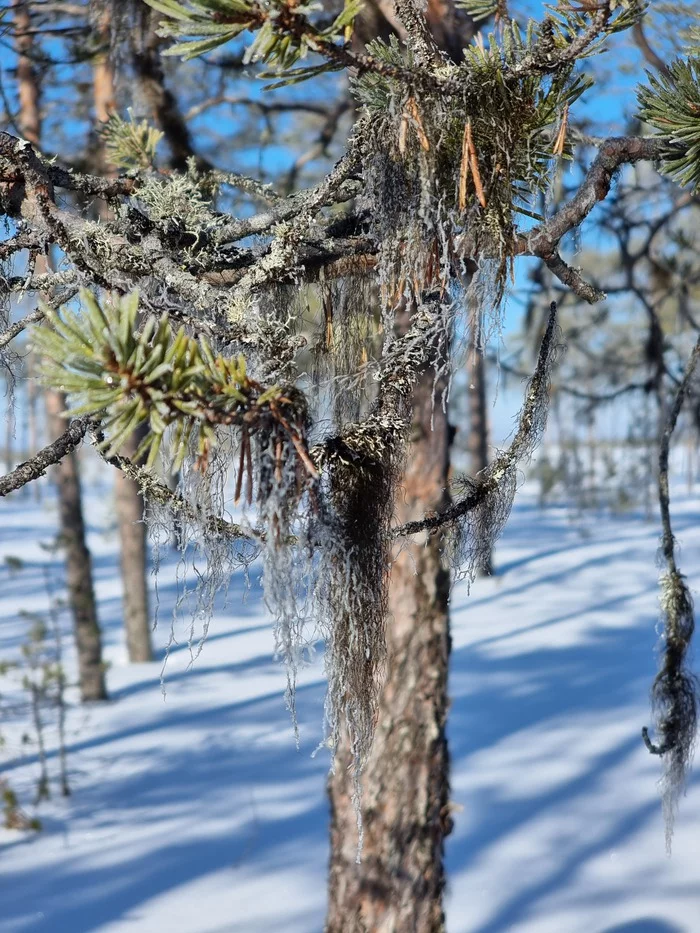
81	595
72	527
162	103
32	399
29	117
103	76
478	430
129	501
134	561
397	887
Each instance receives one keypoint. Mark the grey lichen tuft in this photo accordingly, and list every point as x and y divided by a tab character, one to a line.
675	693
674	696
448	176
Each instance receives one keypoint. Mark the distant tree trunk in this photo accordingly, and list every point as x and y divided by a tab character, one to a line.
162	103
134	562
398	886
478	430
72	527
32	398
29	116
81	595
129	501
103	93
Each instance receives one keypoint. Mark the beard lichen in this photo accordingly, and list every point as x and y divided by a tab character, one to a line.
674	696
477	531
448	175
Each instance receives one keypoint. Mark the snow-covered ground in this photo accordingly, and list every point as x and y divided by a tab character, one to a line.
194	813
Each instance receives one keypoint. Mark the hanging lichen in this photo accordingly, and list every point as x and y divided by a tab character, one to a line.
347	339
481	506
178	386
360	469
675	694
448	174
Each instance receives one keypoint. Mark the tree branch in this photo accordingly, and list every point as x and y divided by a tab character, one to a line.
647	51
573	279
544	240
45	458
613	153
152	488
14	329
519	447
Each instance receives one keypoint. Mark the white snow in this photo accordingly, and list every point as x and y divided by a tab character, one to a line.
194	813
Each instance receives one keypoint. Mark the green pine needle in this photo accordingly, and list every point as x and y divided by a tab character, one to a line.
129	375
670	103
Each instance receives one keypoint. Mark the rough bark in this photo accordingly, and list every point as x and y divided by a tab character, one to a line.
81	595
398	885
134	561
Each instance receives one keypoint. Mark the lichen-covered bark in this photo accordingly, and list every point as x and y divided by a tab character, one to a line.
81	595
398	885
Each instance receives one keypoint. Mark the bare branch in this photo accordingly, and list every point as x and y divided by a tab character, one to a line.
311	200
45	458
647	51
614	152
245	183
572	277
280	106
321	143
14	329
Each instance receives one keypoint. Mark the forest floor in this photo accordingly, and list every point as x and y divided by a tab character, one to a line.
193	812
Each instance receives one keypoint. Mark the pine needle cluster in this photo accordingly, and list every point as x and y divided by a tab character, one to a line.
132	376
130	144
671	104
284	31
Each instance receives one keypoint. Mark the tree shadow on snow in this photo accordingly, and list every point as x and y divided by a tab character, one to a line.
550	684
247	808
643	925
